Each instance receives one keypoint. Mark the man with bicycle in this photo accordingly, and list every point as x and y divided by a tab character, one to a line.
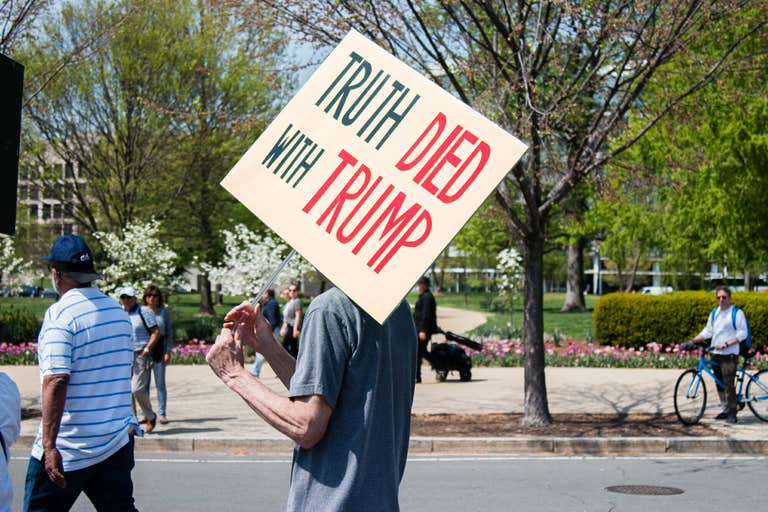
726	338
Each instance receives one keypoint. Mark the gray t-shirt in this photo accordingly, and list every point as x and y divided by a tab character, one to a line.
289	312
366	372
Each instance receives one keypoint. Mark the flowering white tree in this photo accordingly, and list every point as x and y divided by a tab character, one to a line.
13	269
509	270
250	260
138	258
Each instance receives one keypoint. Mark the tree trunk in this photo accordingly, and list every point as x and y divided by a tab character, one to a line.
535	408
574	287
747	281
633	274
219	296
204	288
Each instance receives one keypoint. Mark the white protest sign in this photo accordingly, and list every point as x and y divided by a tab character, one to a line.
370	171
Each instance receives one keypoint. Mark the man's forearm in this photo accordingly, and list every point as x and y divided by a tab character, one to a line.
304	420
54	398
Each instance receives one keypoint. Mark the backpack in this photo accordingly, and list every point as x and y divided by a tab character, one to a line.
745	344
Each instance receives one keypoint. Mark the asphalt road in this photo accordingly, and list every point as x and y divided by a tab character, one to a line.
174	482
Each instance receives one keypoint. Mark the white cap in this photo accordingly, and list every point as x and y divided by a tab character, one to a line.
127	290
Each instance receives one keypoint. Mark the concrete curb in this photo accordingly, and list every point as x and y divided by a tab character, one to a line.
541	446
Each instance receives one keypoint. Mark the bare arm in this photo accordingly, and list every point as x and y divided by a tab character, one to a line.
296	323
303	419
154	333
54	398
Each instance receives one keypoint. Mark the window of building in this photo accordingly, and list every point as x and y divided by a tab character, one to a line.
57	211
46	211
69	170
33	212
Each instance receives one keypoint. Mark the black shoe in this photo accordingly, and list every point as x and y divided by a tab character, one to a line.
721	416
150	425
731	419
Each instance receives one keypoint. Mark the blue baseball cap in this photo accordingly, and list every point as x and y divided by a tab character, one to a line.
70	254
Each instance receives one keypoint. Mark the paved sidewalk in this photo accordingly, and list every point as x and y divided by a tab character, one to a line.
205	416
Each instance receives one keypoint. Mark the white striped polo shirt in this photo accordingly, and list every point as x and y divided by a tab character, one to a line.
87	335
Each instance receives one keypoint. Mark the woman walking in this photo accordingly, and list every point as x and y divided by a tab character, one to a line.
161	356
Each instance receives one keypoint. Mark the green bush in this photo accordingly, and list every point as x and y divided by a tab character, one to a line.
200	328
18	325
632	320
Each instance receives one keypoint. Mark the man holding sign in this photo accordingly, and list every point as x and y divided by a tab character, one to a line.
349	402
381	168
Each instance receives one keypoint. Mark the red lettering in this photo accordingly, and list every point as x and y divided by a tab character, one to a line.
394	223
450	158
438	122
340	236
424	170
485	152
404	240
397	223
344	196
346	159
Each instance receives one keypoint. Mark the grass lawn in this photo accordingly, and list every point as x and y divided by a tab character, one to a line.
184	309
576	325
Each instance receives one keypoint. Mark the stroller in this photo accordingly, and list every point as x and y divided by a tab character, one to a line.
447	357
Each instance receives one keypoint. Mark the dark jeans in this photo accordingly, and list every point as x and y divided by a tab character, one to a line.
107	484
726	372
290	343
421	354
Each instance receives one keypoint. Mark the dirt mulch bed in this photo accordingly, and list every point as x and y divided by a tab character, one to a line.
564	425
27	413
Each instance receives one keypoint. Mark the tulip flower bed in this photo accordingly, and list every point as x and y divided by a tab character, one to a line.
506	353
23	353
193	352
498	353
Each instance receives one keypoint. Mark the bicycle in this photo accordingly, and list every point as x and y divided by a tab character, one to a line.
691	391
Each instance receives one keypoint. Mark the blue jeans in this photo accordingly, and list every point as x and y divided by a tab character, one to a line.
107	484
158	368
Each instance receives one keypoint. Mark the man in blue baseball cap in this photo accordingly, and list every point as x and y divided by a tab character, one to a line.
85	352
72	256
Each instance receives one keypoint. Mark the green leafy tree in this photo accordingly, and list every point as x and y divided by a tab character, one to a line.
561	75
99	112
700	174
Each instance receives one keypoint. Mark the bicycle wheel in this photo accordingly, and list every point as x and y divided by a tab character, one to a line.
757	394
690	397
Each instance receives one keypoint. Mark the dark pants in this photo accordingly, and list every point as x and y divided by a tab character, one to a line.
726	372
107	484
422	353
290	343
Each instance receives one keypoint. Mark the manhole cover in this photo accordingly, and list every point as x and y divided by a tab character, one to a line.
647	490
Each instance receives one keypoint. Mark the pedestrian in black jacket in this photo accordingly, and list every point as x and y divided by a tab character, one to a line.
425	318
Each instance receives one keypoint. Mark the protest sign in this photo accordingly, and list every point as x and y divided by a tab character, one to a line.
370	170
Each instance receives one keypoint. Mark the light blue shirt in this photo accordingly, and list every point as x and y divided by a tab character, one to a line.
140	331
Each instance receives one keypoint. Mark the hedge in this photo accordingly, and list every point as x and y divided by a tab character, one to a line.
632	320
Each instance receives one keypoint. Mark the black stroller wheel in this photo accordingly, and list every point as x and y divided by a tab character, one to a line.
465	375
